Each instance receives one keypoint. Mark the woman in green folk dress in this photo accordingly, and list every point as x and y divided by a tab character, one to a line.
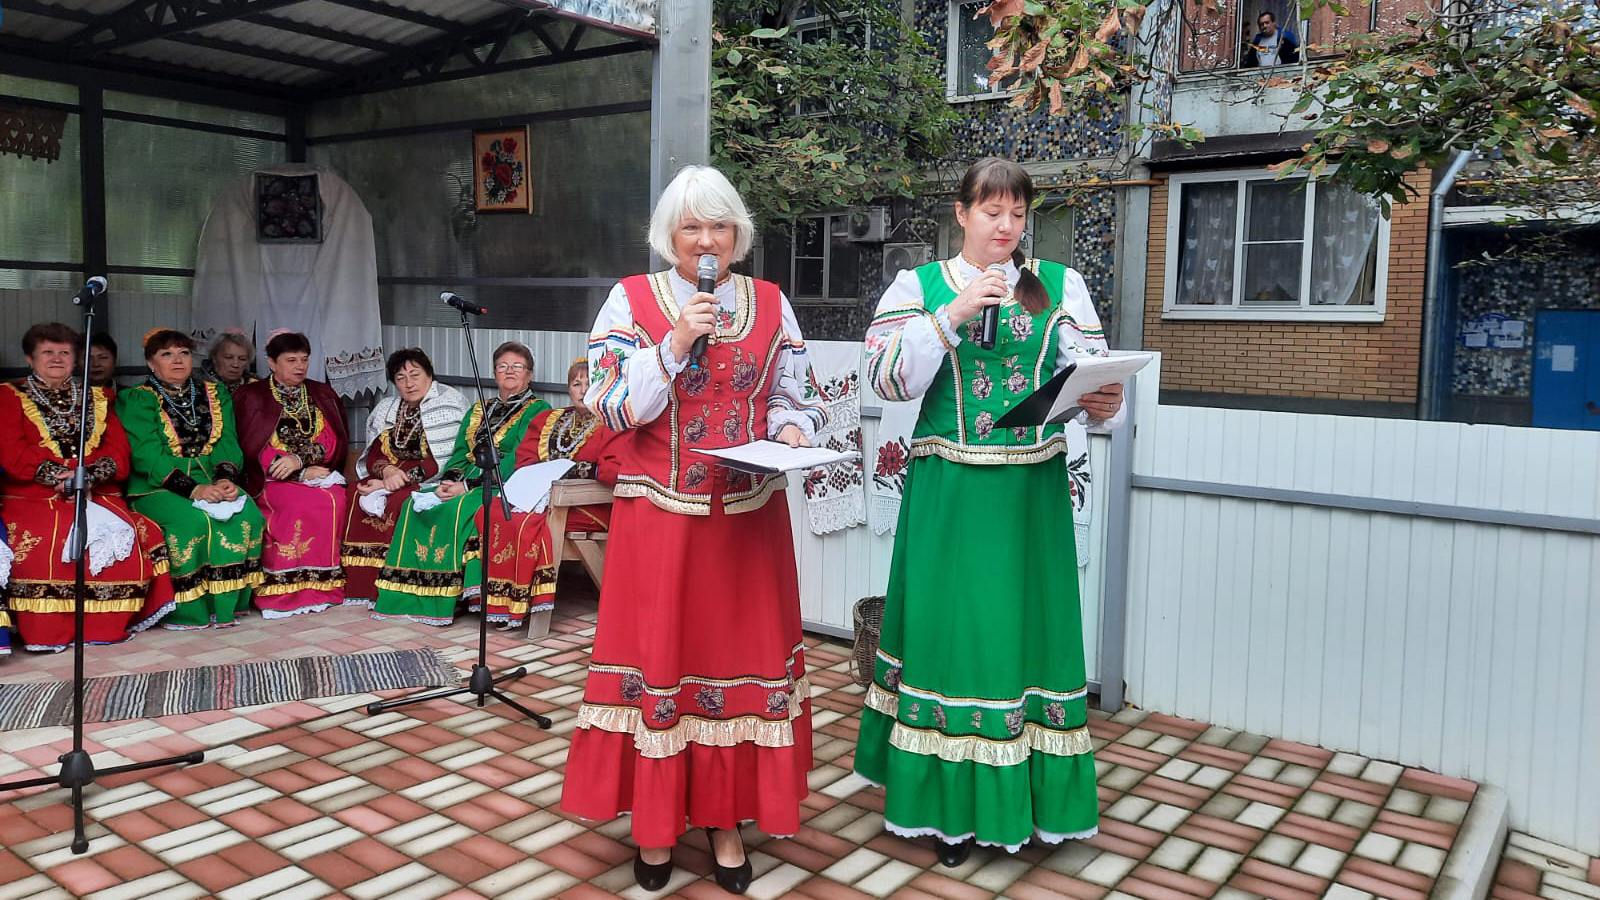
435	557
976	721
185	451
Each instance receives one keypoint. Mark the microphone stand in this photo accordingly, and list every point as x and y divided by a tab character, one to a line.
482	683
77	768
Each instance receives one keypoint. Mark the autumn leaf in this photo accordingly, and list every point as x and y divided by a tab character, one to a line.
1034	56
1000	10
1057	107
1377	146
1579	104
1108	29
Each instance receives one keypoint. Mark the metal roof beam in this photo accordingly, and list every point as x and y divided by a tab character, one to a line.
148	20
475	50
239	49
326	34
35	8
401	13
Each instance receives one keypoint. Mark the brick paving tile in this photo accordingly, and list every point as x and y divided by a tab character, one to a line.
1193	805
83	876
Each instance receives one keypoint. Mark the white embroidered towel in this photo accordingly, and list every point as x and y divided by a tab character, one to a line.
110	539
835	494
222	511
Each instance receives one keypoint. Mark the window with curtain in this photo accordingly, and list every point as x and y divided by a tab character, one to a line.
1246	245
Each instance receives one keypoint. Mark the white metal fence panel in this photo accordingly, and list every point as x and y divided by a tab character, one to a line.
1467	648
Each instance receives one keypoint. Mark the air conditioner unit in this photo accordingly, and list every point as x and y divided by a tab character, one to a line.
868	224
904	256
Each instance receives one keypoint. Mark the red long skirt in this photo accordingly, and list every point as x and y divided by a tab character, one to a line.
696	710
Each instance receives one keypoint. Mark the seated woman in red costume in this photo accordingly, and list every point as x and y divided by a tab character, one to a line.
526	547
294	440
128	585
413	434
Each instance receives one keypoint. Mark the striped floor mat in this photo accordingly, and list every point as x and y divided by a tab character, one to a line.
150	694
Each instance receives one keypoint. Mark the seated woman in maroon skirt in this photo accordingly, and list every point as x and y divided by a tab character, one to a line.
129	587
294	440
413	433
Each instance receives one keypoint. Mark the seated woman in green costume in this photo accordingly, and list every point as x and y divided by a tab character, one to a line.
435	557
186	475
976	720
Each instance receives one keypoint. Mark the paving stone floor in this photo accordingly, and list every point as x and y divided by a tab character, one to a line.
313	799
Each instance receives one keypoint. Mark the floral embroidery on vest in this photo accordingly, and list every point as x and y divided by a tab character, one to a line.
982	385
694	431
710	699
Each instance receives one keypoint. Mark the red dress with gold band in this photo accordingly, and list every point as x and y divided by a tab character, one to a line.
696	710
522	576
38	443
366	536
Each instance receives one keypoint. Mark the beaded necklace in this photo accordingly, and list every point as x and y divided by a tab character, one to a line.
570	432
184	408
296	406
59	406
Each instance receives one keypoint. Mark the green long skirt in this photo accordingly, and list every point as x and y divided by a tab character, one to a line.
433	560
215	566
975	723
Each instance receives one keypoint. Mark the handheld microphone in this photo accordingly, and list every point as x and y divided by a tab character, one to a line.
466	306
991	316
706	275
95	287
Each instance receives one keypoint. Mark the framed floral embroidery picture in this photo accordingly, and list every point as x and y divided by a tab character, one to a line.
500	170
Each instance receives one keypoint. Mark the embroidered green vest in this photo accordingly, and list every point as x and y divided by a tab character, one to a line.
975	387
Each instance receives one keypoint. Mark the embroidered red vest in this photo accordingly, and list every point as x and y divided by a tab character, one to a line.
721	404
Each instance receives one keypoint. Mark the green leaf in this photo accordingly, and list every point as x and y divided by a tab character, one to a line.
735	57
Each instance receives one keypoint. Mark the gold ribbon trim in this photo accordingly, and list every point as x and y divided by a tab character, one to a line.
654	744
990	752
417	590
41	605
276	590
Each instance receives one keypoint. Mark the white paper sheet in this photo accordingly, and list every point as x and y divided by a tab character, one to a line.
771	457
528	488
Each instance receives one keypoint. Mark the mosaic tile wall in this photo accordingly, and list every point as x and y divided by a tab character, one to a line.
1516	288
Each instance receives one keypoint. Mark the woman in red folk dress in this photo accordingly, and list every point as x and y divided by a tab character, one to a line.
127	583
522	572
696	710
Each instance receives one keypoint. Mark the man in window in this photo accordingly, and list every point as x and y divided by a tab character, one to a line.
1271	45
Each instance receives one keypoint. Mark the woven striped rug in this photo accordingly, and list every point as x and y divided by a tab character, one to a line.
150	694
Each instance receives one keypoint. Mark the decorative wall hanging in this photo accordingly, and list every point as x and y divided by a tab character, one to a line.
500	170
32	132
288	209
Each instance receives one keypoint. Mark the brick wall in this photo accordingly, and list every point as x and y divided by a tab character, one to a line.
1329	360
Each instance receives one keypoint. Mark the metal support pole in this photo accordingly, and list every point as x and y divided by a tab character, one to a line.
680	93
1119	521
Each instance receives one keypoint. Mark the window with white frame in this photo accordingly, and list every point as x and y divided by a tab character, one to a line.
967	53
1247	245
824	264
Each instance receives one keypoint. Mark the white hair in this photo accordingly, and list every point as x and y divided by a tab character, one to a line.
699	192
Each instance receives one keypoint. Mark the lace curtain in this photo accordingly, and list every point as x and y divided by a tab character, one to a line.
1344	233
1205	258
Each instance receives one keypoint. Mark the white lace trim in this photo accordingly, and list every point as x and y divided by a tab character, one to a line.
110	540
286	613
5	563
1048	837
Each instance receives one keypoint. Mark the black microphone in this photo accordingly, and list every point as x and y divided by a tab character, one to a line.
94	288
466	306
991	315
706	273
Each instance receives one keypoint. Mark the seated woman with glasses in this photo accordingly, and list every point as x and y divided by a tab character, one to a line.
414	433
293	435
522	574
435	557
127	583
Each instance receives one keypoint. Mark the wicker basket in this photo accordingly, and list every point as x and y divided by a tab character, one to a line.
868	619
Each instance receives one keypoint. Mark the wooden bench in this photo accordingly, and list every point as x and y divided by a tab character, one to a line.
587	547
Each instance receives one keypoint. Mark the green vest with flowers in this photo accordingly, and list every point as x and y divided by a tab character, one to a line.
975	387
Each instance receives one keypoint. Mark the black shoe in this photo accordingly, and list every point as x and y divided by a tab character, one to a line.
651	876
953	855
733	879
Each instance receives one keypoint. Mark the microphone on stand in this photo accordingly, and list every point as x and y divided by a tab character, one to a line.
706	277
466	306
991	315
95	287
